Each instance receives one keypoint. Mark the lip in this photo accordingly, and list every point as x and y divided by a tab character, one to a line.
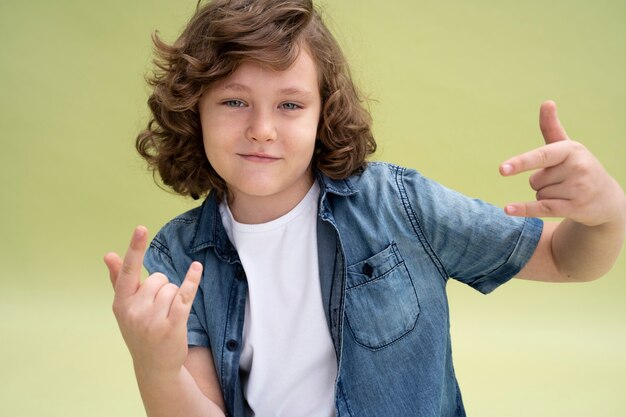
258	157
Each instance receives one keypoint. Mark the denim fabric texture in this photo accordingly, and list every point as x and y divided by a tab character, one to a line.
388	240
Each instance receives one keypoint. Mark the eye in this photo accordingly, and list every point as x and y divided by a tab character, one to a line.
233	103
290	106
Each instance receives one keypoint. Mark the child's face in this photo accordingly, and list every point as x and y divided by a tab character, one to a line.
259	128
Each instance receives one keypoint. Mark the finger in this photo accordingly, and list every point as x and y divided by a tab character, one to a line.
545	157
181	306
164	299
549	123
547	177
542	208
129	276
555	192
113	263
148	291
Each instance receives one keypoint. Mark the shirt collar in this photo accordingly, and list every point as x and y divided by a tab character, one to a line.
210	232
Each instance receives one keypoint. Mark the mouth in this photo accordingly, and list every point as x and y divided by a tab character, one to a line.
258	157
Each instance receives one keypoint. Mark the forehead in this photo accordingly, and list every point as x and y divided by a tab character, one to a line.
301	75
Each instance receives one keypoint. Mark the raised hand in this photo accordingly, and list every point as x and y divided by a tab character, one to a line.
569	181
152	315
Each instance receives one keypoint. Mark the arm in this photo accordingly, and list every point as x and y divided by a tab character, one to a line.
571	183
175	395
571	252
152	317
199	362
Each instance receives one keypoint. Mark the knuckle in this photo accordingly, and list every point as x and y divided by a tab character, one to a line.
134	316
185	298
520	163
581	166
545	208
577	146
116	309
168	290
157	278
539	195
187	294
543	194
161	277
119	308
579	186
127	269
533	182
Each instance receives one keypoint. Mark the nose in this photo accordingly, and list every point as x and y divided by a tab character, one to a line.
261	126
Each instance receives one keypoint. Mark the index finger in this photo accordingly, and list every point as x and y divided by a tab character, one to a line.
129	277
544	157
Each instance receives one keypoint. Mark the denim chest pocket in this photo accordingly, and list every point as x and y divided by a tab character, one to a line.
381	301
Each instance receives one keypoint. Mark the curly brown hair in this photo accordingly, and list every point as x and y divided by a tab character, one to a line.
218	38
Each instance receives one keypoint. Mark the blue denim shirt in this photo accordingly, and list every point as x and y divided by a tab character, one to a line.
388	240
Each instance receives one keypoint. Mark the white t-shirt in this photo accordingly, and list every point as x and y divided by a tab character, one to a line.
288	362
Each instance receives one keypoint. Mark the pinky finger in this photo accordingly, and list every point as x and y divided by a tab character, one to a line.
541	208
181	306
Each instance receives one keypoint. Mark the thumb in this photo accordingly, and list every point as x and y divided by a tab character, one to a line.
550	124
113	263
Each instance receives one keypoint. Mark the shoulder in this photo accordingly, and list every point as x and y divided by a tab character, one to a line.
178	233
171	249
379	170
382	188
384	177
376	174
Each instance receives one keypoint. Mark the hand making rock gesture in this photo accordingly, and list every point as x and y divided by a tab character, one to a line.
569	181
152	315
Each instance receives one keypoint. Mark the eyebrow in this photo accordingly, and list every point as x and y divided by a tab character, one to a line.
234	86
287	90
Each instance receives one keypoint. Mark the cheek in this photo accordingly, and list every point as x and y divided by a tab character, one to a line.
306	134
215	132
216	125
303	144
214	150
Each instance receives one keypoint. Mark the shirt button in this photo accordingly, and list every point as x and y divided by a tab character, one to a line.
240	275
232	345
367	269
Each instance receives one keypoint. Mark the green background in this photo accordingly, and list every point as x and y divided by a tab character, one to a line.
455	88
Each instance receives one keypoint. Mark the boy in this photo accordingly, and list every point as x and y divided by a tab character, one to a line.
323	288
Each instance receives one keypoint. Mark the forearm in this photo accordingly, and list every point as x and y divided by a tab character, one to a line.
584	253
174	396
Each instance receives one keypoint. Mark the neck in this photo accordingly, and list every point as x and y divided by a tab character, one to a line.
262	209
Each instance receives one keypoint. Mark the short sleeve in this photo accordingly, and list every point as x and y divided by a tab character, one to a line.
158	259
475	242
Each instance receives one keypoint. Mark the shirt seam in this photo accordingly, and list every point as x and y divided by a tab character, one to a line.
415	223
523	250
162	249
